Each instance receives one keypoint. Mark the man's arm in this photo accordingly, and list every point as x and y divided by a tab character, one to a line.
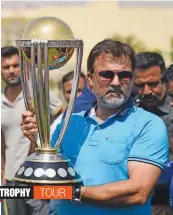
32	147
135	190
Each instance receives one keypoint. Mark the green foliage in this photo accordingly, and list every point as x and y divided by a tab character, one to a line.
171	47
11	30
135	43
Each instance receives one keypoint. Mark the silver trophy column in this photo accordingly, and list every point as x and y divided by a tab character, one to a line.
37	58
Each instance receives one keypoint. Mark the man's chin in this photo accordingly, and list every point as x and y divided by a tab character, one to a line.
13	83
150	104
116	103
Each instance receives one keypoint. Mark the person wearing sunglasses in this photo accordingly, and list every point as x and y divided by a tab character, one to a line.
151	82
113	145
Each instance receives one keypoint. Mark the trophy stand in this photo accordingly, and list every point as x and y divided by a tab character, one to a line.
37	58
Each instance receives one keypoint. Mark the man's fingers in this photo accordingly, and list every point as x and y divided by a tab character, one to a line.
28	126
29	136
27	114
29	133
29	120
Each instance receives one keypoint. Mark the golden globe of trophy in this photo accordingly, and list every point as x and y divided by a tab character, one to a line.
47	43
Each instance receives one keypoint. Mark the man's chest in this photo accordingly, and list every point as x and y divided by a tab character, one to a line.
11	116
96	142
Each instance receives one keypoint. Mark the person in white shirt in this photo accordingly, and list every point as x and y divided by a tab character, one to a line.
15	145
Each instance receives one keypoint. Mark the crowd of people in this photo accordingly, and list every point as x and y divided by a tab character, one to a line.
124	115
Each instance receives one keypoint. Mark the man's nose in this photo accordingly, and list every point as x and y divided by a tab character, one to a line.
115	81
11	69
147	90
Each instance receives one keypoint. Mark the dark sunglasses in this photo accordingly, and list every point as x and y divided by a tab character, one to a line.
109	74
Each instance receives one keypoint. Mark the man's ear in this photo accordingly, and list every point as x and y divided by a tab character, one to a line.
90	79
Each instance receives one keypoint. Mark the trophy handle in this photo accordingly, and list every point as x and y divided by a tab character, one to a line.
40	87
79	55
25	81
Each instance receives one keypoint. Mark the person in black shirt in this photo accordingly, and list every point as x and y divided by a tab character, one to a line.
152	91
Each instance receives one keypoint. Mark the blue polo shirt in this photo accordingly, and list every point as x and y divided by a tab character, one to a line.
100	153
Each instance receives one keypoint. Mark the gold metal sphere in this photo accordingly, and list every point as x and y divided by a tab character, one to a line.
49	28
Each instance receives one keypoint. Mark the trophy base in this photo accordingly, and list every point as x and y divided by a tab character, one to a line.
46	167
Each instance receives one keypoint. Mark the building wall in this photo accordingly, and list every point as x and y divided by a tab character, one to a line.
94	21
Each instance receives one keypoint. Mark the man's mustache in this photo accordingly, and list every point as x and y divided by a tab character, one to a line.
116	90
150	97
12	76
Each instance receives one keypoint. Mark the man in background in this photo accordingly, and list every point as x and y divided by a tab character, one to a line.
66	87
15	146
67	82
168	75
152	90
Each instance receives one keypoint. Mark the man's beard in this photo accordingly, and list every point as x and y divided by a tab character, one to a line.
13	82
115	97
152	100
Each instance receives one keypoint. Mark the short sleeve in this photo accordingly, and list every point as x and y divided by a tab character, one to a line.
151	143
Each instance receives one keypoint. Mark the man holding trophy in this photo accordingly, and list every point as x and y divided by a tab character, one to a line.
115	156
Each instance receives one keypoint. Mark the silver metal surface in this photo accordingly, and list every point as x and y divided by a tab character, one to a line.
46	94
26	86
79	54
39	81
54	43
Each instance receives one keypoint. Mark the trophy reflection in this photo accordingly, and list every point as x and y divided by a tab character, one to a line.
47	43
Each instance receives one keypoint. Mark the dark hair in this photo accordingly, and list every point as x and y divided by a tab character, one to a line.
69	77
145	60
113	47
8	51
168	74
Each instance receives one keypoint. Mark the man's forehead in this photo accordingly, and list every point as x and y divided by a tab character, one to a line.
104	59
10	58
153	72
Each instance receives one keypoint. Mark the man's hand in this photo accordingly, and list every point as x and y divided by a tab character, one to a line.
29	125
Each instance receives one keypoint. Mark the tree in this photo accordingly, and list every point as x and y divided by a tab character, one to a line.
135	43
171	51
12	29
